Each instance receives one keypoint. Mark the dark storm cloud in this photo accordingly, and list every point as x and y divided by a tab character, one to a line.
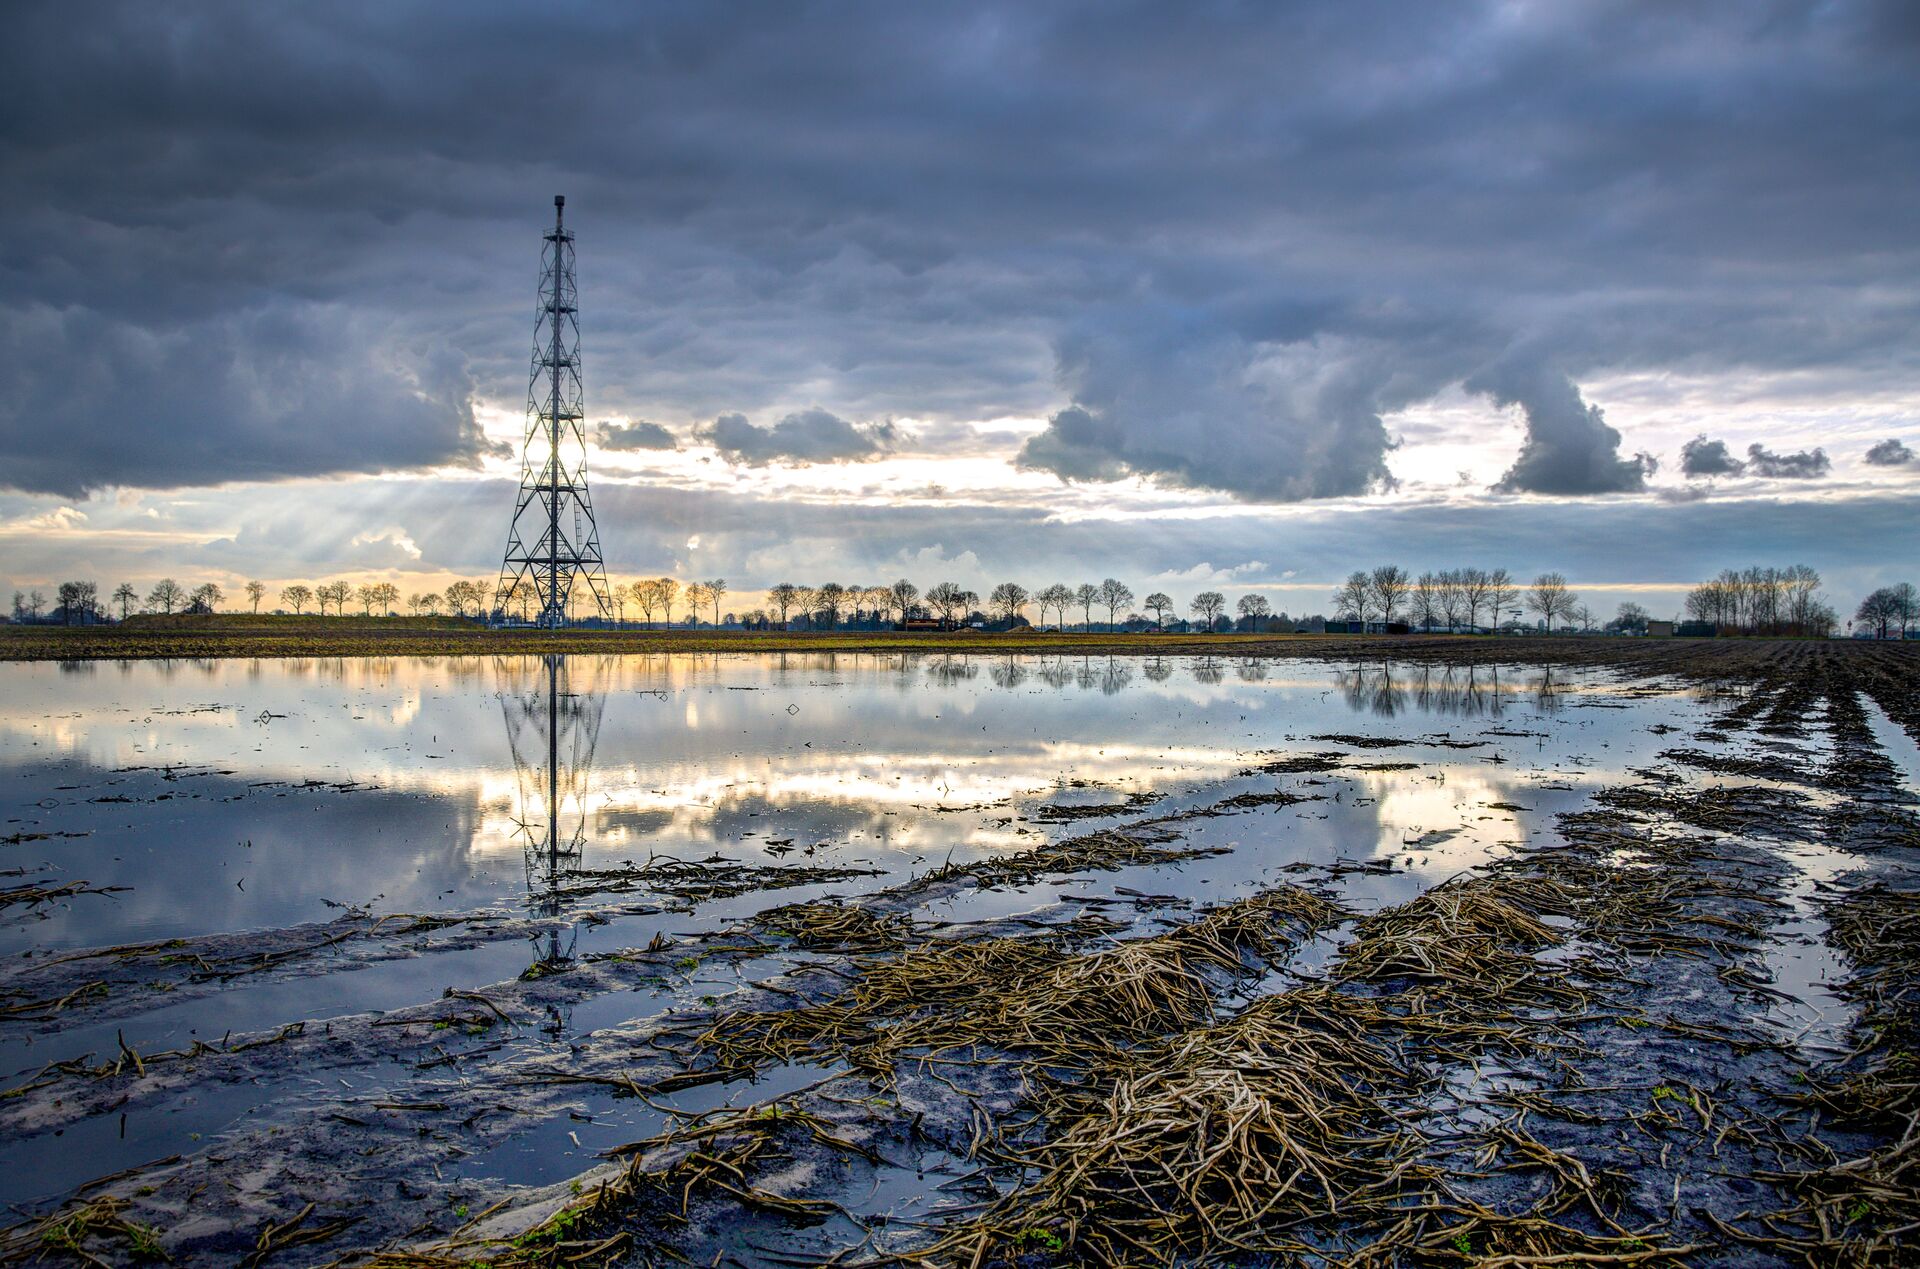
1569	448
1890	453
87	400
639	434
1702	457
809	436
1804	465
1210	411
1227	237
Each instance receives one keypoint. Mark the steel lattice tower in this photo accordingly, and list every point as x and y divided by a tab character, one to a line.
554	511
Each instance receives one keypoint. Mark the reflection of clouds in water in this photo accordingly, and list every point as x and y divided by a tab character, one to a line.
1412	803
889	756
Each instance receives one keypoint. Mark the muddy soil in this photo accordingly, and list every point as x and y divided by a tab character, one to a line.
1673	1022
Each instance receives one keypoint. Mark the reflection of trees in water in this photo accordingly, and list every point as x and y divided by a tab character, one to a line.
553	728
1008	672
1055	672
1546	690
950	669
1157	669
1386	690
1208	670
1371	689
1251	670
1109	674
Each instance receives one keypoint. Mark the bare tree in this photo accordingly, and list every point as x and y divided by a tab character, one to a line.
1631	619
783	597
1453	596
806	601
878	601
716	591
1114	595
1009	598
1086	594
904	595
1429	600
1354	599
166	595
696	599
1208	604
256	591
666	591
1254	609
830	597
1905	603
1160	604
1881	612
1550	598
77	602
125	595
947	597
642	593
1502	595
1056	597
297	597
1476	592
1389	586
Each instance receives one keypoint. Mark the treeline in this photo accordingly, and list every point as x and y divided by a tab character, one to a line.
1458	598
1758	601
79	603
1764	601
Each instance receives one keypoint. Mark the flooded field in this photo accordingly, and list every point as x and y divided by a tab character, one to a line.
777	959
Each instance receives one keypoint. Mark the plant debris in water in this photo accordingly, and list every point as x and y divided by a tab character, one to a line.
1570	1055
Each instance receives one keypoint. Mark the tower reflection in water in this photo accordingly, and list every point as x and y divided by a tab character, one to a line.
553	726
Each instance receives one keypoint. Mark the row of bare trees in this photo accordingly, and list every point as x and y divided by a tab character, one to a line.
1450	599
79	601
1456	598
1763	601
459	599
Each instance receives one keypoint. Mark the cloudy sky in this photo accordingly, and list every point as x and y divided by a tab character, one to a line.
1240	295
